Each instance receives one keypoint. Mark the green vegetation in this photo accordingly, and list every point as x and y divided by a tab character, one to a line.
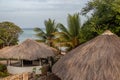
47	36
69	36
9	33
3	71
105	15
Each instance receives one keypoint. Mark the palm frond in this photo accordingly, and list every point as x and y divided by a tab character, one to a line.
74	24
38	30
40	33
61	35
63	28
64	44
50	26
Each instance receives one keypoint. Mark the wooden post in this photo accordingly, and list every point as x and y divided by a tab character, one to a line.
19	61
10	62
40	62
7	62
50	61
22	62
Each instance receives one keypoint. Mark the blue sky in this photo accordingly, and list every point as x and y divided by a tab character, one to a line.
32	13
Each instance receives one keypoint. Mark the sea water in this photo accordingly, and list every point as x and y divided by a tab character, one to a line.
28	33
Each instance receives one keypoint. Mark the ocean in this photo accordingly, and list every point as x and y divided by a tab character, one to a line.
28	33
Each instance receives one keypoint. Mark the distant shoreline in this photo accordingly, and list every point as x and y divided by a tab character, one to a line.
30	28
27	28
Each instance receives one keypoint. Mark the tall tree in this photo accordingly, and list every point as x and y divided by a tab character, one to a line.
69	36
9	33
105	15
46	35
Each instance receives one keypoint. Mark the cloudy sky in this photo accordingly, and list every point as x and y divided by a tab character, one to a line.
32	13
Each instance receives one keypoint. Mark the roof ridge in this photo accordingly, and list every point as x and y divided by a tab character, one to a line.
107	32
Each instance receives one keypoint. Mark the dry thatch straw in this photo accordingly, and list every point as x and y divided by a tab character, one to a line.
28	50
98	59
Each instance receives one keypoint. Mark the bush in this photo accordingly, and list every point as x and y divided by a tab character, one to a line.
3	74
3	71
2	67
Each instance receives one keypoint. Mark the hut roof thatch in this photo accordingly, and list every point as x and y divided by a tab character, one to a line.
97	59
28	50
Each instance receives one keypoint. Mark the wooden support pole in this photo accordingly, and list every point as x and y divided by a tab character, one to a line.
50	61
7	62
10	62
40	62
22	62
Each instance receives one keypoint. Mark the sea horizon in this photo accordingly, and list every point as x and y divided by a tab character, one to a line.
28	33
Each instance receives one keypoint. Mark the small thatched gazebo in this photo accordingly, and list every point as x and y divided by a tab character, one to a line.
97	59
29	50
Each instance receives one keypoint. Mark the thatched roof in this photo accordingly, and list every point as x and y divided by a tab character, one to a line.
28	50
97	59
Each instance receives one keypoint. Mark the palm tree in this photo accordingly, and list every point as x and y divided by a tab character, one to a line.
69	36
46	35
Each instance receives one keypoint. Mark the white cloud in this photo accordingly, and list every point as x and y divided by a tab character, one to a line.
38	4
62	1
33	12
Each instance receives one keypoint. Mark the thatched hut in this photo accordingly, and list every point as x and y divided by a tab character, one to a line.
27	52
97	59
